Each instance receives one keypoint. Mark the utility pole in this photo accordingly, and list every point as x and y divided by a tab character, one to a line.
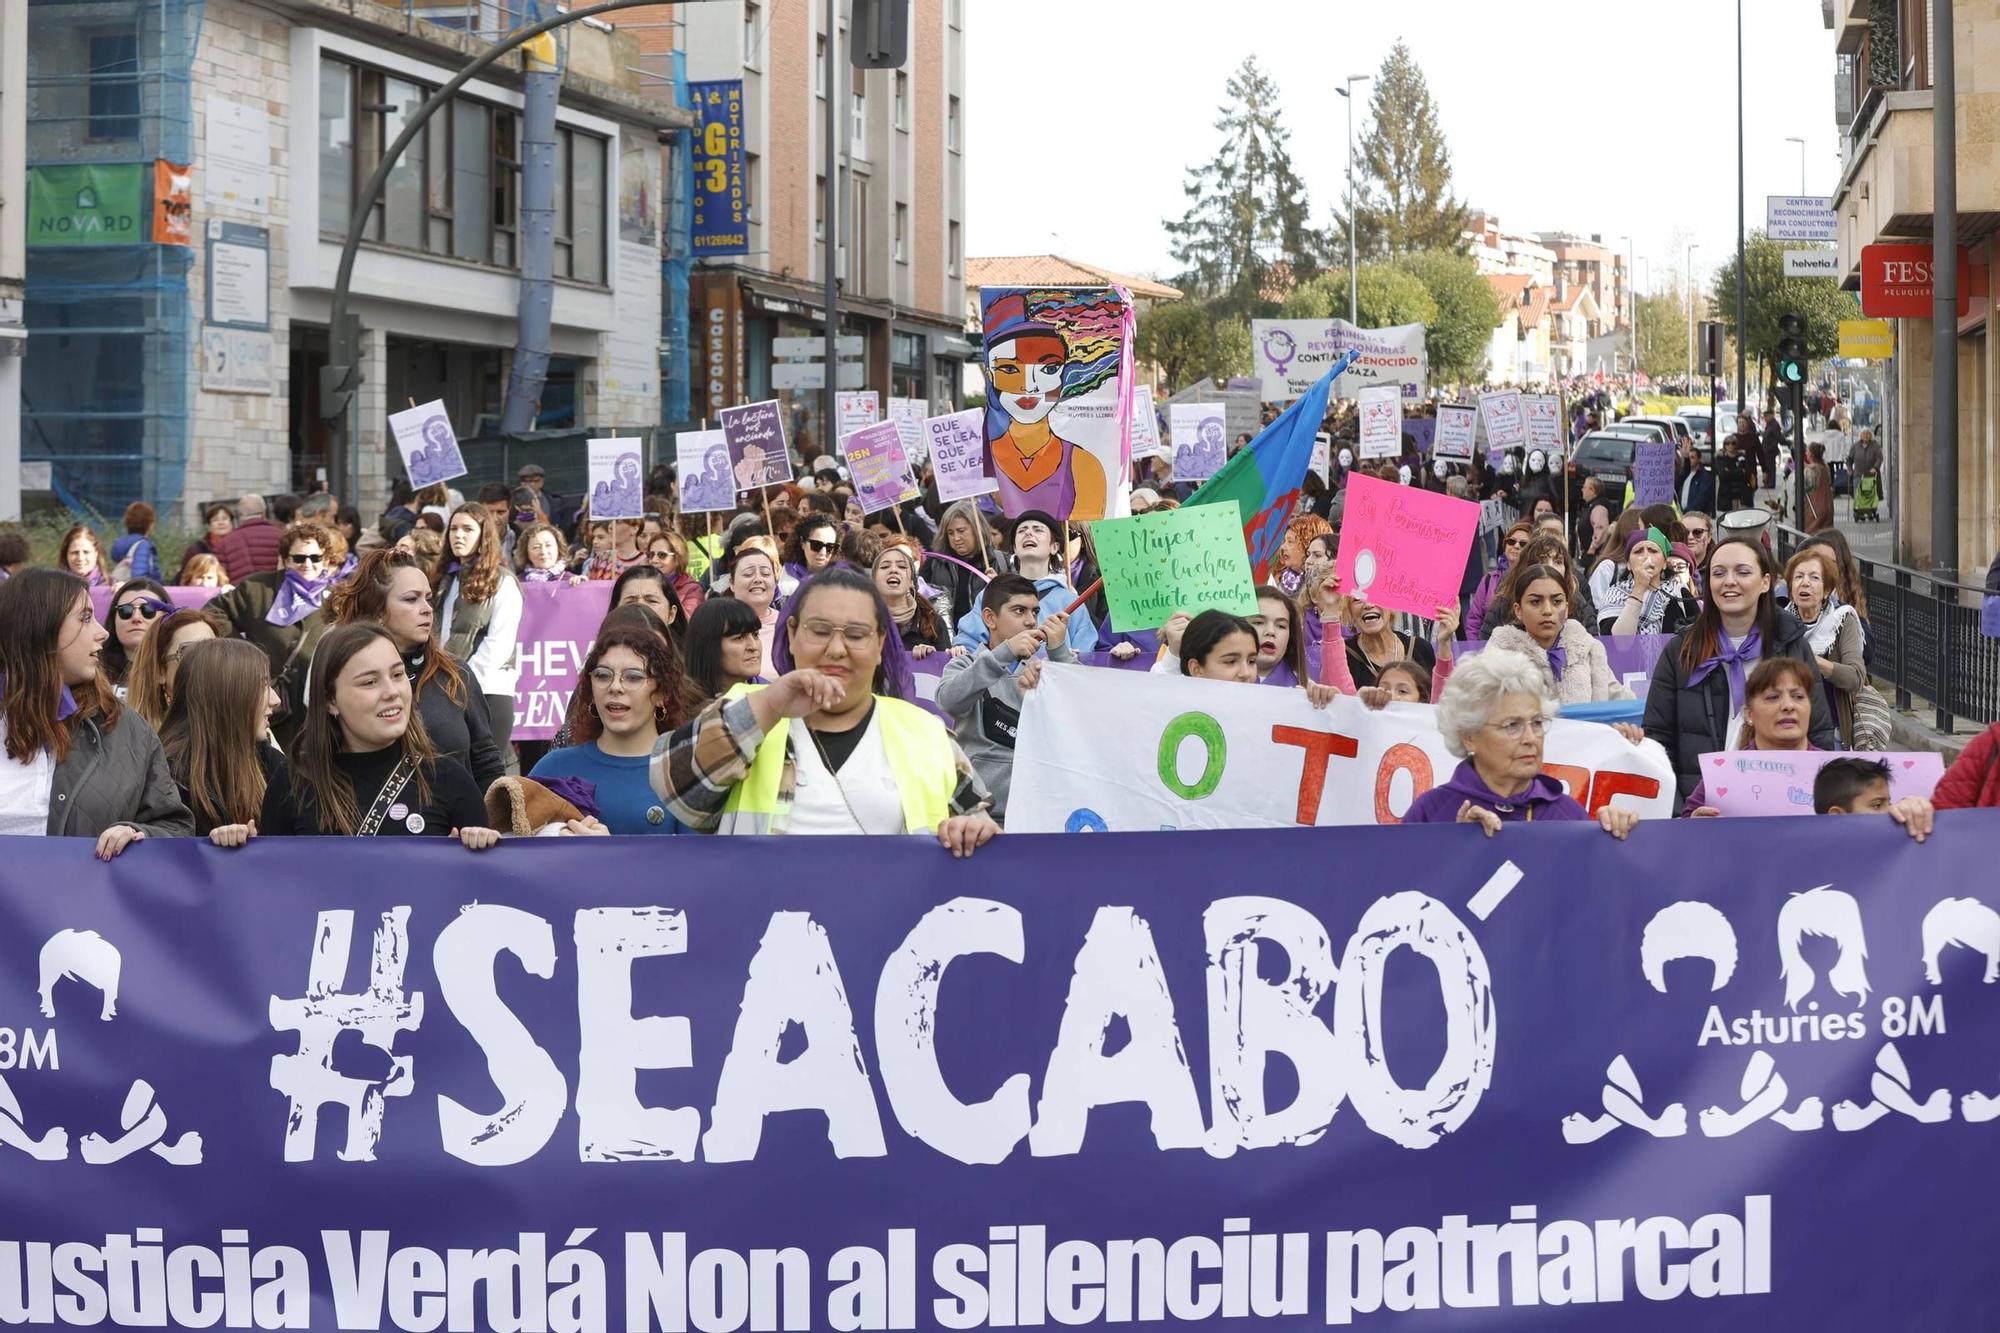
1944	293
1353	269
1691	249
829	207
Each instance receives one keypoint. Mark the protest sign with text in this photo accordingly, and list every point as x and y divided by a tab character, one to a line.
558	625
909	414
1456	426
1780	782
958	455
428	444
758	454
1291	355
1402	547
853	409
1146	441
1653	473
1188	559
1541	416
881	470
1201	441
1381	421
701	461
617	481
1501	413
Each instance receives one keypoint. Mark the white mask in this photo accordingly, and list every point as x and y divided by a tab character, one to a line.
1507	463
1347	458
1441	468
1403	474
1537	461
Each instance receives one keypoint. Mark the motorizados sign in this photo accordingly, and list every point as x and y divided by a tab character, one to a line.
1734	1076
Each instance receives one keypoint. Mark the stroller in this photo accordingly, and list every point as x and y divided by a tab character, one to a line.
1868	498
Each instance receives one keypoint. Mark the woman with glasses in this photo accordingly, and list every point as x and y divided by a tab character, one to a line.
149	687
1512	543
831	746
217	739
479	606
280	612
635	697
814	545
364	765
668	553
130	613
394	592
1495	714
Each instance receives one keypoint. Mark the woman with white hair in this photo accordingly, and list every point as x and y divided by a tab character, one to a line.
1495	714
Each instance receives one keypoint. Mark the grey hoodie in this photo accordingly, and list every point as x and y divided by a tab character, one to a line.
983	697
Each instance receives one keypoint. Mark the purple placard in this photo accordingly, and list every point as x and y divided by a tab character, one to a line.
756	436
1780	782
880	467
1653	473
558	625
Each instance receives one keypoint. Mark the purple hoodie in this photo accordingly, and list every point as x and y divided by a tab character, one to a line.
1546	798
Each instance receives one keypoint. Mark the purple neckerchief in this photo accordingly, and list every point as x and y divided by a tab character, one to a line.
534	574
297	598
579	792
1731	657
452	568
1281	674
65	701
1558	660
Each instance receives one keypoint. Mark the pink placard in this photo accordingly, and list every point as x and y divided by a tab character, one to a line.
1780	782
1403	548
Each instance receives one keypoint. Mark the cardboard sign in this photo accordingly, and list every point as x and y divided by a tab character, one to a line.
428	444
1146	441
1542	420
1403	548
881	470
958	456
756	436
1381	421
908	415
1653	473
701	460
1780	782
1201	444
1188	559
1456	427
854	409
1322	459
617	478
1501	413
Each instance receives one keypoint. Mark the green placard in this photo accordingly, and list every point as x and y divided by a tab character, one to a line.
1189	559
103	204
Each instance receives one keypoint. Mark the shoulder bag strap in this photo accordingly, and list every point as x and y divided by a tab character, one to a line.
371	823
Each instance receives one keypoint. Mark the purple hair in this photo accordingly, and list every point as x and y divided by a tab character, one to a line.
895	677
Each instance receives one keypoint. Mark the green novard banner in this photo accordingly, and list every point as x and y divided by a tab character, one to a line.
101	204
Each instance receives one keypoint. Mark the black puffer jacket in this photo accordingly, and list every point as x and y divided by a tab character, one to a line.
1690	720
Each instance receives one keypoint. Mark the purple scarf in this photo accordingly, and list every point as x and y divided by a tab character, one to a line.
534	574
1281	674
297	598
1558	660
65	701
1732	658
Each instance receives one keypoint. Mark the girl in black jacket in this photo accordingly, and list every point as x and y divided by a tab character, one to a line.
1696	701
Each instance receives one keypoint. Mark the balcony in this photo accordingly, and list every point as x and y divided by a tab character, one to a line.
1849	20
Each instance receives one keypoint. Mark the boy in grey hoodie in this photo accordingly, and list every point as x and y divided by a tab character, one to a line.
982	690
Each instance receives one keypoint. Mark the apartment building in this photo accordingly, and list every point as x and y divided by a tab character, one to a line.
13	234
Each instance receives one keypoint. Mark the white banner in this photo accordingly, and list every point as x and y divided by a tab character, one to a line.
1122	751
1291	354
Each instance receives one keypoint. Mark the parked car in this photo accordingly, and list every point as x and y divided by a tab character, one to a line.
1606	455
1700	423
1677	425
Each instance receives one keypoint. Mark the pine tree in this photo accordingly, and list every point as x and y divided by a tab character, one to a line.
1403	179
1247	230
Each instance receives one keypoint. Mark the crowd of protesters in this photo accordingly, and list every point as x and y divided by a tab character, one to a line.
754	672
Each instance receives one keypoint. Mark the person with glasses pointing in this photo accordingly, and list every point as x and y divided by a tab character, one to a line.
1495	715
279	611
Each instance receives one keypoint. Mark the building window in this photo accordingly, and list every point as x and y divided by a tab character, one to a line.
819	209
336	145
951	124
902	102
750	190
587	207
472	201
902	233
404	215
857	129
955	251
819	65
753	17
506	185
114	86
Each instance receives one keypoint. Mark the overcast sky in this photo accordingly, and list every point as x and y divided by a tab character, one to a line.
1614	117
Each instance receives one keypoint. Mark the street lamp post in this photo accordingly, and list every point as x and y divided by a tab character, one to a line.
1690	274
1632	301
1353	280
1793	138
1742	275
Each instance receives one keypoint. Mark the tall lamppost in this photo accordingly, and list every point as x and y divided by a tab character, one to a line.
1692	247
1632	299
1353	282
1793	138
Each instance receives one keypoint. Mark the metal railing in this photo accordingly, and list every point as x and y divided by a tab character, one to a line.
1924	639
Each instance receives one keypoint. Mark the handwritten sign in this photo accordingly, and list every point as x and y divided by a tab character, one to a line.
428	444
1456	426
1322	456
1780	782
1653	473
1381	421
1201	443
909	414
1189	559
756	436
881	470
958	455
1543	418
1506	426
1146	441
1403	548
701	460
617	482
853	409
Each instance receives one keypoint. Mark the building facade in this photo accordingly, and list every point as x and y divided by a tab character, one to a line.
1882	97
900	196
13	236
195	166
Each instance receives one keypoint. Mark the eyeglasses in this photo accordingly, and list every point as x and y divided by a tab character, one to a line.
631	677
147	610
823	548
820	632
1515	727
307	558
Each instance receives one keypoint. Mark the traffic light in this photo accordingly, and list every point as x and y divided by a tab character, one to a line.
1792	350
1711	347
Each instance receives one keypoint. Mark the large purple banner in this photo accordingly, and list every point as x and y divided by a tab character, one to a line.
558	625
1727	1075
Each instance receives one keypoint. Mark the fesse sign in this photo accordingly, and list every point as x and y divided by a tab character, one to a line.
422	1085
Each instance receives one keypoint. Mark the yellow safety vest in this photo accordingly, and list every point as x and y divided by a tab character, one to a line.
918	748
